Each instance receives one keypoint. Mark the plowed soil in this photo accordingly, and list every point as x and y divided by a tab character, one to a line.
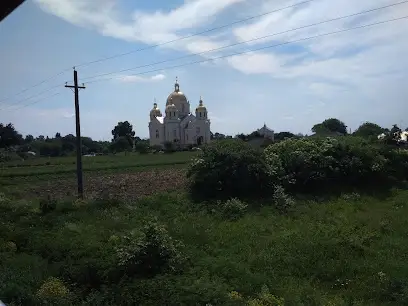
126	186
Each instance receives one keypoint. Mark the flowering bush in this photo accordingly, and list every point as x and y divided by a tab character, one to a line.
53	292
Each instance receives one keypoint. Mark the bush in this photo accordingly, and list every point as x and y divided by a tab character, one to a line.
169	147
230	168
310	164
53	292
47	205
150	252
282	201
233	209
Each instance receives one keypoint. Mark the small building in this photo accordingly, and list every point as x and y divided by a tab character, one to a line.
266	132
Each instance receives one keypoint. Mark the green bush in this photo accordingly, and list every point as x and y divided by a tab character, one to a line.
230	168
233	209
150	252
282	201
311	164
47	205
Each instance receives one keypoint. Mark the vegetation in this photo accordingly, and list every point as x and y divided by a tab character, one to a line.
296	223
349	251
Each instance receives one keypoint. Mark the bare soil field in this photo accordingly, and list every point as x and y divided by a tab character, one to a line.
124	186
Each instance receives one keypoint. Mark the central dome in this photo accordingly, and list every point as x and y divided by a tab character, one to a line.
176	97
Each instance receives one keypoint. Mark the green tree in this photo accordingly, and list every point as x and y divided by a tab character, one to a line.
29	139
142	146
9	136
120	144
123	129
331	125
283	135
369	129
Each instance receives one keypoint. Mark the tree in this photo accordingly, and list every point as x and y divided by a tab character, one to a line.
142	146
9	136
123	129
29	139
241	136
57	135
120	144
331	125
283	135
369	129
217	136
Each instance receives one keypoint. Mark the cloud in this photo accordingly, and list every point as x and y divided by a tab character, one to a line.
106	17
137	78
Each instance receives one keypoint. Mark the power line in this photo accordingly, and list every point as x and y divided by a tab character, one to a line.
247	41
35	102
36	85
193	35
36	95
154	46
261	48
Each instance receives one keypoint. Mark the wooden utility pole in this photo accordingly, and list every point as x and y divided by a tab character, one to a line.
78	135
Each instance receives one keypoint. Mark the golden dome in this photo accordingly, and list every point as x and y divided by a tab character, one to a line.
201	107
176	95
155	111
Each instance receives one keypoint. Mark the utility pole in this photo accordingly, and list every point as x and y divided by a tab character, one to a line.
78	135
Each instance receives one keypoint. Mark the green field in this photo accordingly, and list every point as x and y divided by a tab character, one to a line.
62	165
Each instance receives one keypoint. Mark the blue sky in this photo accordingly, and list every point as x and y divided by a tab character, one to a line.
355	76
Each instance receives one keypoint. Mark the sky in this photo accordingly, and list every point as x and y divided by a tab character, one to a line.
292	83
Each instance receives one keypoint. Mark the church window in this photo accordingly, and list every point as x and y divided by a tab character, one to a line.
200	114
198	130
175	133
157	133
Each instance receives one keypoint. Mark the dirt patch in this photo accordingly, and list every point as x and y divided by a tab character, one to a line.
119	185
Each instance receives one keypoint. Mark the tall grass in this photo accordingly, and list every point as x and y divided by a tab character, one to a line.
346	251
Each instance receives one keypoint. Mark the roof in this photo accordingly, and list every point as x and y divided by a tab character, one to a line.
160	119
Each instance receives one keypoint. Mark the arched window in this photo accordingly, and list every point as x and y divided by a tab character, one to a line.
200	114
157	133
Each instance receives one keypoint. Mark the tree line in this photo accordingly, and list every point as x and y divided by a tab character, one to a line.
124	139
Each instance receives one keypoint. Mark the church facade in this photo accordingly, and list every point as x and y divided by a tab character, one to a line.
179	125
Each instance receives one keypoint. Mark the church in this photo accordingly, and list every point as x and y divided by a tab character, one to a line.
179	125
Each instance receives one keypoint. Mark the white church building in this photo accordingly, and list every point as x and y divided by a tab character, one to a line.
179	125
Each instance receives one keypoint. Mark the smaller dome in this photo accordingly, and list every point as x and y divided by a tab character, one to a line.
171	108
155	111
201	107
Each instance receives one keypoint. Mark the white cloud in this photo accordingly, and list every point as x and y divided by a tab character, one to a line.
137	78
150	28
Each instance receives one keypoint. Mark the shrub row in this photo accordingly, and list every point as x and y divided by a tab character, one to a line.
233	168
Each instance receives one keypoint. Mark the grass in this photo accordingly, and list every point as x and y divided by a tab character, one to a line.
63	165
347	251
